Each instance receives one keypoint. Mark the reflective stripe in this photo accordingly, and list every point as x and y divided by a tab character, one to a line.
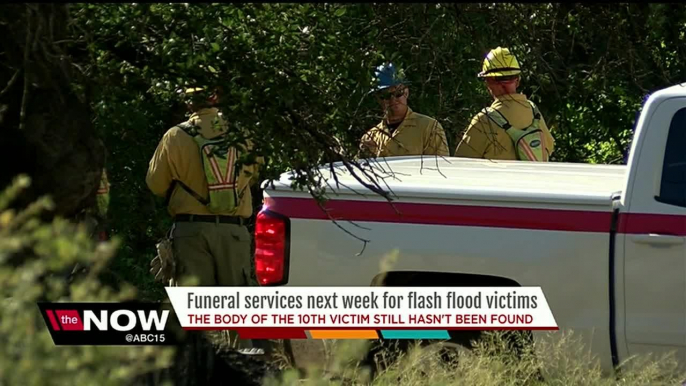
229	167
226	181
104	186
221	186
213	164
102	195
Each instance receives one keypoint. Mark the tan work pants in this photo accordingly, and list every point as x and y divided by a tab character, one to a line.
214	254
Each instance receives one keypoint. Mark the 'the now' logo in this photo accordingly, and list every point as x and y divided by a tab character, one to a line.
119	320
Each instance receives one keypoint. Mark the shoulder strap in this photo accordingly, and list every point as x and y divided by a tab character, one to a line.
498	118
536	111
187	189
189	128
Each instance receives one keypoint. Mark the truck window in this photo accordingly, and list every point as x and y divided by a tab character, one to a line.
673	185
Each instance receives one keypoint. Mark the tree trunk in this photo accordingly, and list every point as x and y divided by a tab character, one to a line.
46	126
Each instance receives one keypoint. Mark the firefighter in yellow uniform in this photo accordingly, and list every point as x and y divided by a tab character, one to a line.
402	132
95	217
512	128
103	202
95	220
208	197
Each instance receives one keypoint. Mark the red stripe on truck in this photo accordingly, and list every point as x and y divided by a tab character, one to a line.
478	216
435	214
642	223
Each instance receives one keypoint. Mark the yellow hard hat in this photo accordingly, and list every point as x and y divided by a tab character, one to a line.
193	90
500	62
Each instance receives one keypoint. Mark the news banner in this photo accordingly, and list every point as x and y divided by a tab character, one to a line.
302	313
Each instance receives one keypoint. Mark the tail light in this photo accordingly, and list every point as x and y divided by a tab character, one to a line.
271	248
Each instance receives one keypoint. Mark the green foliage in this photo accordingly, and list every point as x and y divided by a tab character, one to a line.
35	260
296	76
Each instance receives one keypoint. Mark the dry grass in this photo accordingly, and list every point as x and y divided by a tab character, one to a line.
492	362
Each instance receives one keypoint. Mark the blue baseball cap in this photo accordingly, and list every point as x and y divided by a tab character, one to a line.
386	76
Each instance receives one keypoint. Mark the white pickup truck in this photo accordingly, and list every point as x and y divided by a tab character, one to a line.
606	243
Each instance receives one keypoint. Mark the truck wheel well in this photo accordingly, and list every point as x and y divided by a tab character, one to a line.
440	279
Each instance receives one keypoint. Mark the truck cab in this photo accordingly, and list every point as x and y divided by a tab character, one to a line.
649	275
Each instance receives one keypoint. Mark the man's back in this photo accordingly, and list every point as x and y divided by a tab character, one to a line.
178	158
485	139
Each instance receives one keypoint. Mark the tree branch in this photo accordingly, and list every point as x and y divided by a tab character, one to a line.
25	93
10	83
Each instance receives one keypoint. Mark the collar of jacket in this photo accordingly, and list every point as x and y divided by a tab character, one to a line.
210	121
518	97
406	119
205	111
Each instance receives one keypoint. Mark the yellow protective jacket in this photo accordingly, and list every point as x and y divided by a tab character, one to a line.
485	139
177	157
418	134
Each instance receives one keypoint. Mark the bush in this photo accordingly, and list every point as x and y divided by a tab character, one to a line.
36	259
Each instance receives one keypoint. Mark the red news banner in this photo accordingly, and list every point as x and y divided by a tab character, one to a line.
270	312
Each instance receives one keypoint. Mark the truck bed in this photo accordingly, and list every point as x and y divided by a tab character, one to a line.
538	224
484	180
